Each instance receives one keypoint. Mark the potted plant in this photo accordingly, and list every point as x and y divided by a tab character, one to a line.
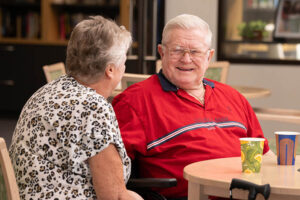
253	30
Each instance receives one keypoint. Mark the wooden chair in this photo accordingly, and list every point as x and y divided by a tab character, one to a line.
129	79
217	70
8	185
54	71
158	65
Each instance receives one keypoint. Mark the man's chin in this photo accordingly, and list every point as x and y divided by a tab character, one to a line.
186	85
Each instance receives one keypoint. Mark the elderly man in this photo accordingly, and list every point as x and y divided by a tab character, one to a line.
177	117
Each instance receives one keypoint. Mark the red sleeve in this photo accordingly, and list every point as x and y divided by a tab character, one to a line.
132	130
254	128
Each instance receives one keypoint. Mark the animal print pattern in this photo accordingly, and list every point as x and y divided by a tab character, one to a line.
62	125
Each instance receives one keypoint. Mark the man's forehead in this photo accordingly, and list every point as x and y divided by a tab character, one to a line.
188	46
193	38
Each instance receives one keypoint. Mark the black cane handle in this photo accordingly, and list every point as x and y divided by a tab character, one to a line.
251	187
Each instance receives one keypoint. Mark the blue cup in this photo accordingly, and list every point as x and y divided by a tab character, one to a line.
286	146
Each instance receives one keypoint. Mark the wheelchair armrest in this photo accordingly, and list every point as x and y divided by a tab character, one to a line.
151	182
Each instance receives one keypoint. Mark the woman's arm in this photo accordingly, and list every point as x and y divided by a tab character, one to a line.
107	174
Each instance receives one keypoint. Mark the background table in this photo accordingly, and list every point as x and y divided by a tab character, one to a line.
252	92
213	177
278	114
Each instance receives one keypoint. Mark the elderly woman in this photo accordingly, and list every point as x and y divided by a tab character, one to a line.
67	143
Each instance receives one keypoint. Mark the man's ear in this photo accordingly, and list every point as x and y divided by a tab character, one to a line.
211	54
160	51
109	70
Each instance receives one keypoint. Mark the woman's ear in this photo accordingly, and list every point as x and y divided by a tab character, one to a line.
109	70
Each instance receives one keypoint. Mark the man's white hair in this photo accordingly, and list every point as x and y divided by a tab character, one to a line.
186	21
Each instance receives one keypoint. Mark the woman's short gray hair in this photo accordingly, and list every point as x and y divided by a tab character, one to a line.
186	21
95	43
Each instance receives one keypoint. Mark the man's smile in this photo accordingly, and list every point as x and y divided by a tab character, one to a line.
184	69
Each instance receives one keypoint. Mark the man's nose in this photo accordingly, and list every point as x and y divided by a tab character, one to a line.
186	57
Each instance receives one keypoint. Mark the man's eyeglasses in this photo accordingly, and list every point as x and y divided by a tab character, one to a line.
178	52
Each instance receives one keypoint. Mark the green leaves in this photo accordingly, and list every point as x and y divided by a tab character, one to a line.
253	30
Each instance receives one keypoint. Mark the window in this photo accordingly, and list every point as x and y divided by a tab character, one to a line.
246	33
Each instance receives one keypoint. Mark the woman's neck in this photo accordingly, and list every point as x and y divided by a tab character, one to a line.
101	87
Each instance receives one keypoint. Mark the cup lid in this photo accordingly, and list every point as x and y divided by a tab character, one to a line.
286	133
252	139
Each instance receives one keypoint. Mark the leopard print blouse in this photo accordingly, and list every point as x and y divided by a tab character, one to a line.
62	125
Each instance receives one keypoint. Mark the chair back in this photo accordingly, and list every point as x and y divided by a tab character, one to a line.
54	71
158	65
130	78
8	185
217	71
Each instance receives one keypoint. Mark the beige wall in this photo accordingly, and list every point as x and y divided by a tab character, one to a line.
282	80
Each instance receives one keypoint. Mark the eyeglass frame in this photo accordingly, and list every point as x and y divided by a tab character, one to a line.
183	51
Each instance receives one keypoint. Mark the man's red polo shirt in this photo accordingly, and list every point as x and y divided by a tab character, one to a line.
166	129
